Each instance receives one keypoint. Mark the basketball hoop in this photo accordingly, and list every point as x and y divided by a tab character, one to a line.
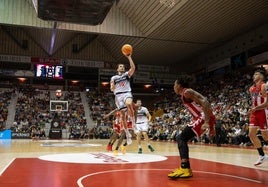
167	3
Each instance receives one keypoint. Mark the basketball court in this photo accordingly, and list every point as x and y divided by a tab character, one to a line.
58	163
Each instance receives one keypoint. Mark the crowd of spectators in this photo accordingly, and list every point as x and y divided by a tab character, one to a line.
33	115
101	103
228	96
230	101
5	97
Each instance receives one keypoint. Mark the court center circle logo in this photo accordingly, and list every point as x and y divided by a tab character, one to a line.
103	158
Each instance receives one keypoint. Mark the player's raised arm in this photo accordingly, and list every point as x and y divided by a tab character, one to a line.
127	50
132	66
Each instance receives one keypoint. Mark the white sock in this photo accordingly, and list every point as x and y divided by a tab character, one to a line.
128	135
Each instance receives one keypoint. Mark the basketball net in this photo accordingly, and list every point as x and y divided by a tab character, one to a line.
167	3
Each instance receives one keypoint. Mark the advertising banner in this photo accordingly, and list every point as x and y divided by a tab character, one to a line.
6	134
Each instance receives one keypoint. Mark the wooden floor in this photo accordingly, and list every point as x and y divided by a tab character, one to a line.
68	163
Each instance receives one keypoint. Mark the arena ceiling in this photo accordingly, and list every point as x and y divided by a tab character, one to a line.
172	36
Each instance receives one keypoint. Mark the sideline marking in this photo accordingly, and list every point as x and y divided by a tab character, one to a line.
7	166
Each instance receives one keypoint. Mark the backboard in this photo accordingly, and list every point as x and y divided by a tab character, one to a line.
58	105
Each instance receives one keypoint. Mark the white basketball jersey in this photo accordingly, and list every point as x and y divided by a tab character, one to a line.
142	115
121	82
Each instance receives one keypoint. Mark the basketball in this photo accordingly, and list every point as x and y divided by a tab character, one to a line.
127	49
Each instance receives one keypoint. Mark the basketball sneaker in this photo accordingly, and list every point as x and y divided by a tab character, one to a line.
151	148
180	173
260	160
115	152
140	151
123	149
109	148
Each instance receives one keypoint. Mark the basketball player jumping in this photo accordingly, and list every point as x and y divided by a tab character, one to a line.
120	86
